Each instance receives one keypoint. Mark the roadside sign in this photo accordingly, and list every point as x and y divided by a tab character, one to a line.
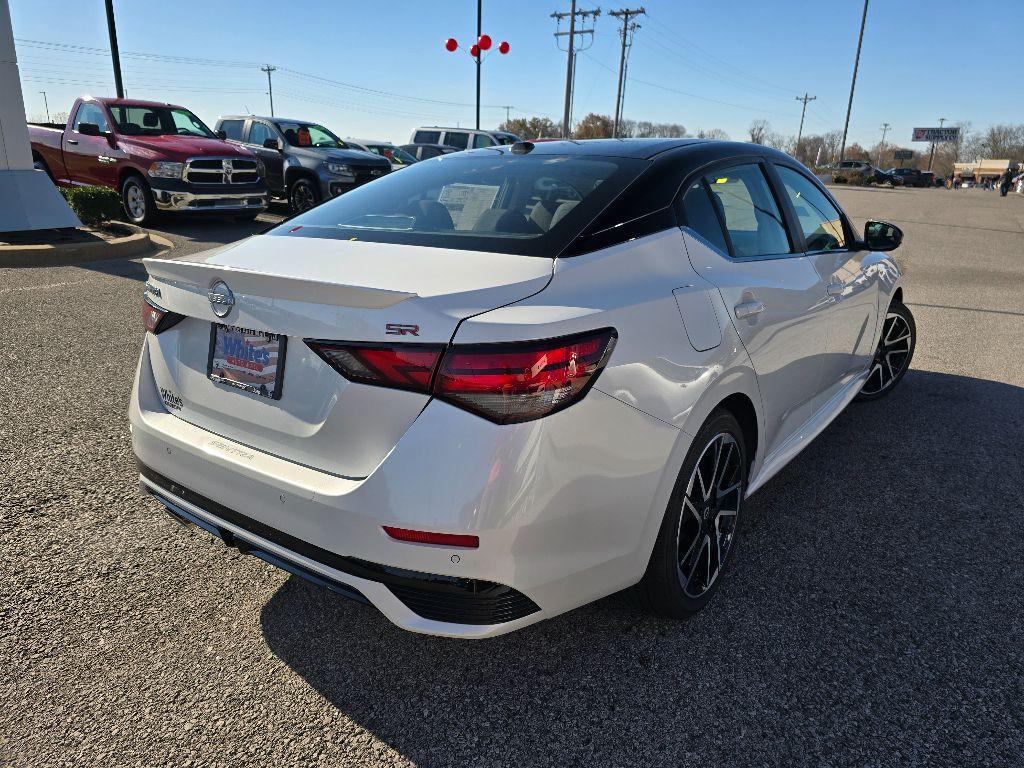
936	134
903	154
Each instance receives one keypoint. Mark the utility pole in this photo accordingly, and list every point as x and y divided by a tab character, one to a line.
853	84
799	134
570	65
881	145
112	31
931	155
46	104
508	112
627	31
270	86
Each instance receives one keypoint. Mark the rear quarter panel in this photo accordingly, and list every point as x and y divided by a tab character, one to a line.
46	143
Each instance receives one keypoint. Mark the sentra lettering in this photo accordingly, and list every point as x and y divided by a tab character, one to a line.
242	354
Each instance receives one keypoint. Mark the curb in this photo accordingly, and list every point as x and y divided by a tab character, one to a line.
139	242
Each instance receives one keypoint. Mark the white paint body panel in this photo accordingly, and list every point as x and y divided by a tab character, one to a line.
567	507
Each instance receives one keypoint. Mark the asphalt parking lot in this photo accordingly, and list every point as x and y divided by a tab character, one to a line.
872	616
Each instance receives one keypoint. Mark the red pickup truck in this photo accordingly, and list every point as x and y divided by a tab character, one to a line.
159	157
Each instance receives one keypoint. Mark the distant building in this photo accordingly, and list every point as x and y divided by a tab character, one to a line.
981	169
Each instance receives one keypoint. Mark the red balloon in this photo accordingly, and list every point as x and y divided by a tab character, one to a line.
503	47
451	44
474	51
484	42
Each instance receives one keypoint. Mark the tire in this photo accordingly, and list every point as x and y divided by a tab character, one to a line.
679	580
303	195
895	350
40	165
137	200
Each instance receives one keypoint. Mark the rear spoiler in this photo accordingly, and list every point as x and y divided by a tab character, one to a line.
196	278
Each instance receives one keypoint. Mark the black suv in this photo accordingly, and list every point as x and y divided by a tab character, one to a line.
305	162
866	171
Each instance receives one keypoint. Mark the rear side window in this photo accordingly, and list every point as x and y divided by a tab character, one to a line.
232	128
821	222
456	139
482	140
427	137
745	203
699	215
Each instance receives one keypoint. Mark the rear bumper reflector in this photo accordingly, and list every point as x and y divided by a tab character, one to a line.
448	599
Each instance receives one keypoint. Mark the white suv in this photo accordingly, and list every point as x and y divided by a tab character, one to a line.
462	138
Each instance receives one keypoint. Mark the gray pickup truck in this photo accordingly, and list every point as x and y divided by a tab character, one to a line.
305	162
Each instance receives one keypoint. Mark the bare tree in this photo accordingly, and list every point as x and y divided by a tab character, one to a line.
711	133
758	130
532	128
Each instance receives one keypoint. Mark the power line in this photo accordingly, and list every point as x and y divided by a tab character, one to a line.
629	28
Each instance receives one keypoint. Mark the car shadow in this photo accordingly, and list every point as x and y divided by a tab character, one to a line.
869	607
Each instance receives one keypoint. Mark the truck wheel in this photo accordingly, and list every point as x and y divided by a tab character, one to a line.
137	200
39	165
302	195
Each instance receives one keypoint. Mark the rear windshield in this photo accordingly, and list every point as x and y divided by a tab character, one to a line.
484	200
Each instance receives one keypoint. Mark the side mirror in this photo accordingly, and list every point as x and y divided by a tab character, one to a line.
882	236
89	129
221	135
274	144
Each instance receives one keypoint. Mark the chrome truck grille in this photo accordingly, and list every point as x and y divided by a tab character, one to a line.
221	170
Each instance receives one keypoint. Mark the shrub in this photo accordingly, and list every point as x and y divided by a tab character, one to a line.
93	205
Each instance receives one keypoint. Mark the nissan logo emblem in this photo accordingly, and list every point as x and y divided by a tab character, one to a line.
221	298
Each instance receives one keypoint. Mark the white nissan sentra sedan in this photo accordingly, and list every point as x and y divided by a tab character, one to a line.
508	382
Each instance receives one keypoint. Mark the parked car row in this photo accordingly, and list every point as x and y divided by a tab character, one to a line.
162	157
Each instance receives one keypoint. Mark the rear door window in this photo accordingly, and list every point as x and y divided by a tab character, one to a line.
458	139
427	137
482	140
699	215
745	203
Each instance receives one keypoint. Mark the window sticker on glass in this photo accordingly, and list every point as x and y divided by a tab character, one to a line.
722	180
467	202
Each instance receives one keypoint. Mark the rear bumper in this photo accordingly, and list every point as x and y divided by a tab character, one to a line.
566	508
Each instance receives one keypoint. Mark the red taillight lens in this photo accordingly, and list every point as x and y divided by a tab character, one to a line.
158	320
509	383
504	383
426	537
400	366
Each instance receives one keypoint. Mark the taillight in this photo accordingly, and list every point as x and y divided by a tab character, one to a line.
504	383
508	383
156	319
399	366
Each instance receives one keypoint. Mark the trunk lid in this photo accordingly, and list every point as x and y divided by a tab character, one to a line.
324	289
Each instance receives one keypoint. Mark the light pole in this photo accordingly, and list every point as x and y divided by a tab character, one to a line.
114	55
853	83
931	155
476	50
46	105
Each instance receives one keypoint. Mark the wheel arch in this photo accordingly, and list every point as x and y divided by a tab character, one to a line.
125	172
294	172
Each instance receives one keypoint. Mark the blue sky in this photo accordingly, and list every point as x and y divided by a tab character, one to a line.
703	64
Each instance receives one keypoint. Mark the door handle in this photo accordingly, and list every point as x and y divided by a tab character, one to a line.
72	141
748	309
835	288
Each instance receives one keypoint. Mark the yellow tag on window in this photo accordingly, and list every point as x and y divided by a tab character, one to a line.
722	180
